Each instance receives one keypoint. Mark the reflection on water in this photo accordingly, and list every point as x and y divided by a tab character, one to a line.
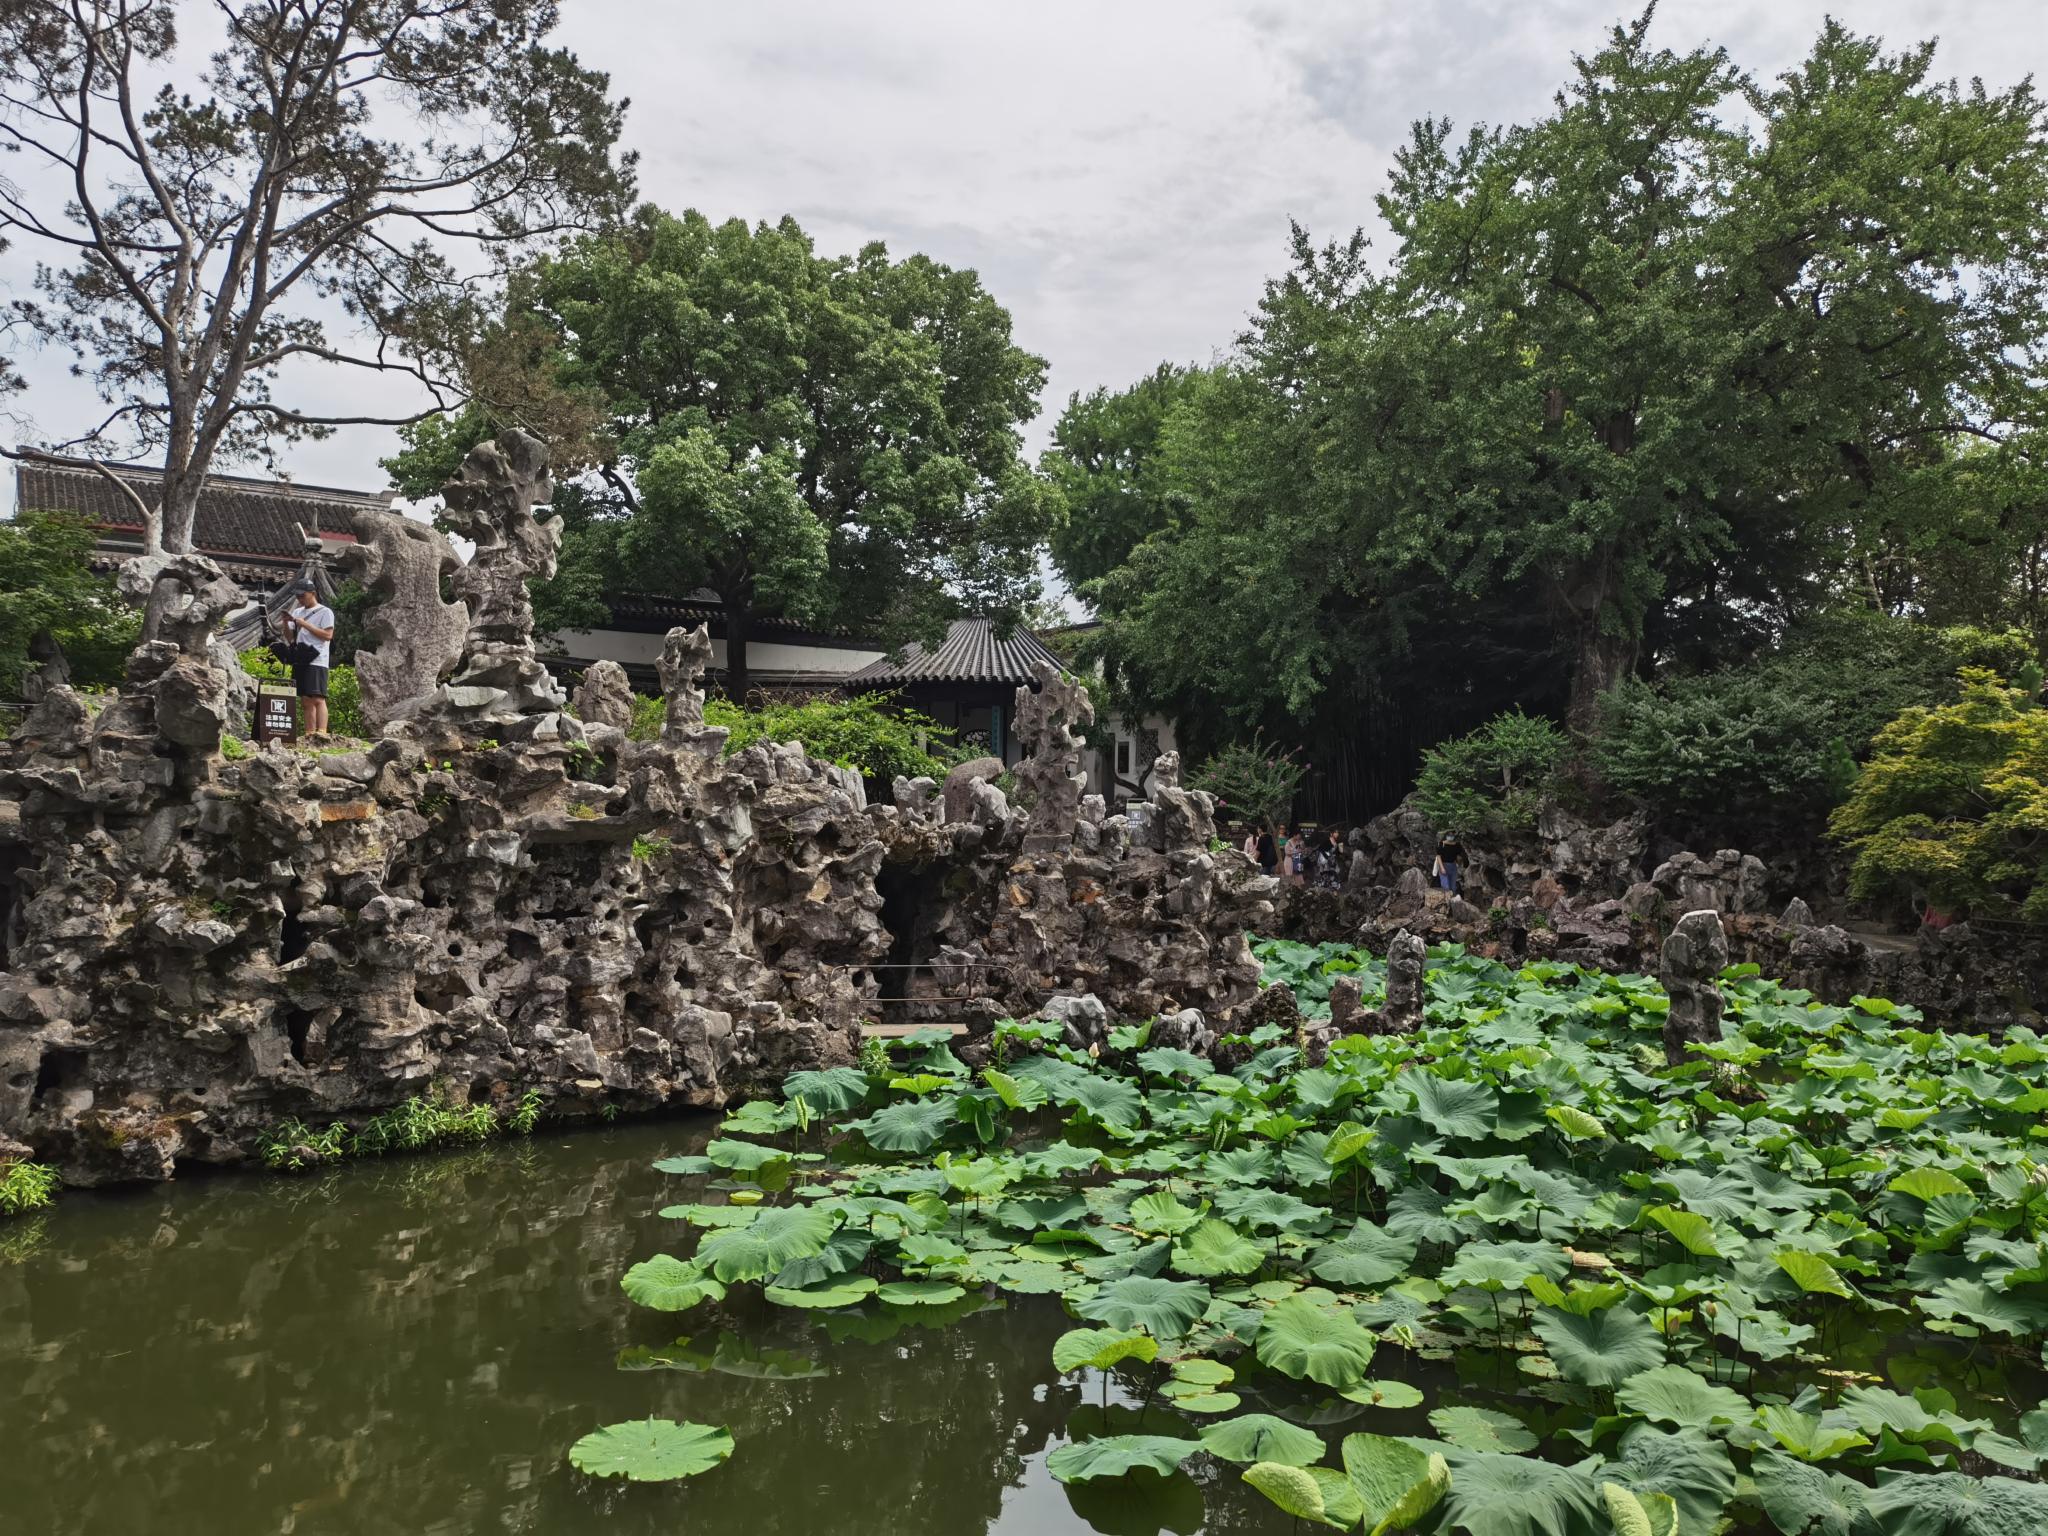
411	1347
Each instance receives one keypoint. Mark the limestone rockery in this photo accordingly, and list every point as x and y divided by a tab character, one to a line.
200	939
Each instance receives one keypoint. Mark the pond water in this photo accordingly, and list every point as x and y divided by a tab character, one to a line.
412	1346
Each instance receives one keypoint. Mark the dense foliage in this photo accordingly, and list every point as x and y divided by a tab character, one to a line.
47	587
834	439
1784	733
1953	806
1108	462
1639	383
869	732
1493	779
1251	781
1560	1288
344	692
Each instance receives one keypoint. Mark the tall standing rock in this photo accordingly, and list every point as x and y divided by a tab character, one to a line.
499	678
1050	782
412	637
604	696
684	656
1694	957
1407	960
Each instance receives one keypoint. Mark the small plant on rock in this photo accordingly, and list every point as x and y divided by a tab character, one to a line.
26	1187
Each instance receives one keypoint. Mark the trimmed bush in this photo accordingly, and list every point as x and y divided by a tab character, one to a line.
1495	778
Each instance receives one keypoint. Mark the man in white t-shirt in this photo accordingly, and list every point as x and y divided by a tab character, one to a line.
311	623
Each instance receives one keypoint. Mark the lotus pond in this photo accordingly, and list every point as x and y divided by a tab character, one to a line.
1511	1275
1508	1275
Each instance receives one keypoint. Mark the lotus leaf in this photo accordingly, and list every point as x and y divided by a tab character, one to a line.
1811	1436
1482	1429
919	1293
775	1238
1307	1493
1602	1349
1115	1455
1161	1212
1928	1183
1950	1504
1101	1348
1384	1394
1650	1514
1261	1437
831	1092
1397	1483
1365	1256
1692	1468
651	1450
915	1125
1810	1272
1304	1338
669	1285
1495	1495
846	1291
1675	1395
1164	1308
1216	1248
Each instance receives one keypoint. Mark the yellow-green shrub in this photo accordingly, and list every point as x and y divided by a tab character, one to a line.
1954	804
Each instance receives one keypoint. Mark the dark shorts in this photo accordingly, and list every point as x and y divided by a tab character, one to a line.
311	682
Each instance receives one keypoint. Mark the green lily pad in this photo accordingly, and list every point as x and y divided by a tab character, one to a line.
651	1450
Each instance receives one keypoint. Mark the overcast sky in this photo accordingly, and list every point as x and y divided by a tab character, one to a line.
1120	172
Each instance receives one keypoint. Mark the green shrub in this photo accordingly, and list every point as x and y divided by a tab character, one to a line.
867	733
1785	732
648	715
344	693
46	584
1953	805
1251	780
1494	779
26	1187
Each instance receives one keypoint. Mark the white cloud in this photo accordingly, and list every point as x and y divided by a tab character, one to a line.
1122	174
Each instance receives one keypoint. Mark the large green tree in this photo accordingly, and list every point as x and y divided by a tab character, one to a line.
1107	461
836	439
1678	354
1641	368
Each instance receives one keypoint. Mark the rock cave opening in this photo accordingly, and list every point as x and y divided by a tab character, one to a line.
298	1028
294	938
60	1070
11	861
909	990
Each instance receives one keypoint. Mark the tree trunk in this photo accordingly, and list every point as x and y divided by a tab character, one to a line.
1603	661
739	621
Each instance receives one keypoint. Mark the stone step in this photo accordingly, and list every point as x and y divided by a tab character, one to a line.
898	1031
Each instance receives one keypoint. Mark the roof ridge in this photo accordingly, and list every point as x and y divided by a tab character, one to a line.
32	458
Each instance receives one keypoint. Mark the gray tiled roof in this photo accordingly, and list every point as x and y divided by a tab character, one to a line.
657	614
237	515
970	653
